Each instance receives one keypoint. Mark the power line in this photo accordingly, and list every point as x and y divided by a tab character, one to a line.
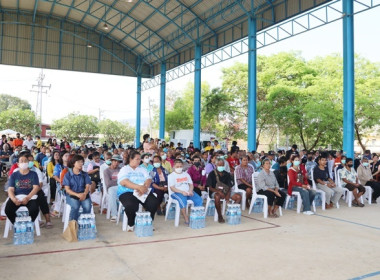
40	90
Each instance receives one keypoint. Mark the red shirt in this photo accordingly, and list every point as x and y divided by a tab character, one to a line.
294	181
233	162
17	142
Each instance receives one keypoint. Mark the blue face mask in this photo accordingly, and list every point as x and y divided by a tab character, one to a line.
365	164
258	163
108	162
343	161
220	168
296	163
165	150
30	164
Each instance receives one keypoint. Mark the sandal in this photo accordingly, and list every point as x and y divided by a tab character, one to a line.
48	225
42	224
354	203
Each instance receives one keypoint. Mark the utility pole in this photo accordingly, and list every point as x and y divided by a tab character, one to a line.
100	114
40	90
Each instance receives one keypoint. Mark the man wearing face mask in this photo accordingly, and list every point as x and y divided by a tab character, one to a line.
185	165
110	182
310	164
197	175
366	179
219	183
22	182
182	188
14	157
349	180
105	165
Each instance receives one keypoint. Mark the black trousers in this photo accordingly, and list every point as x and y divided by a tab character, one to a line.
272	197
53	188
131	205
42	202
376	188
11	208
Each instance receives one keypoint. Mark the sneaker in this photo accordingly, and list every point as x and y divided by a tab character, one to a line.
308	213
130	229
113	219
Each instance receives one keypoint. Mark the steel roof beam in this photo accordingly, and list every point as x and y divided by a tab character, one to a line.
35	10
70	8
88	10
106	13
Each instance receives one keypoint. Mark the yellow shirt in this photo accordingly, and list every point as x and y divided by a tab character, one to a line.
36	164
167	166
208	148
39	144
217	148
50	169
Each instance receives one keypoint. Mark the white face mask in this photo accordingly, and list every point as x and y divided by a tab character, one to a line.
23	165
47	154
178	170
163	157
146	160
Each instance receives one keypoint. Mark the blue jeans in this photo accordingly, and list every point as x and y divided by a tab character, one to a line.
75	204
307	197
183	199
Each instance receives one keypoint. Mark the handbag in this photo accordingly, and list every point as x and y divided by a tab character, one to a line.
220	185
71	232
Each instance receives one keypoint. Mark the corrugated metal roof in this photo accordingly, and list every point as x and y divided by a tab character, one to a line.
154	30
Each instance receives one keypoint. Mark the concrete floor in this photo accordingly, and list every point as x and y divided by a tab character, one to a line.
335	244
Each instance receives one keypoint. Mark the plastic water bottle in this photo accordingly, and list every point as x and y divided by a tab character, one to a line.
138	225
23	231
80	228
192	218
228	214
150	225
238	212
233	216
86	227
93	226
17	232
30	231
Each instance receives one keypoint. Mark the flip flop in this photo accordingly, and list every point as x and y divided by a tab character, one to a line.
48	225
187	223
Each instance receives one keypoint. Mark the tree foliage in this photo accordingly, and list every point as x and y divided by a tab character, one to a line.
11	102
23	121
76	127
115	131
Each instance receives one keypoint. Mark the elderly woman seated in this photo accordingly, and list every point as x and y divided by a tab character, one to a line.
268	186
243	174
182	188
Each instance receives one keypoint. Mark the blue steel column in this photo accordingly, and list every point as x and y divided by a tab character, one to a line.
162	100
348	79
252	82
197	97
138	112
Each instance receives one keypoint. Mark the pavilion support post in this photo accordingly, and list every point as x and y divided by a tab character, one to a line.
138	112
162	100
197	97
348	79
252	83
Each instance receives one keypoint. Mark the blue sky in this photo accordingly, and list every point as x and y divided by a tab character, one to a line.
116	96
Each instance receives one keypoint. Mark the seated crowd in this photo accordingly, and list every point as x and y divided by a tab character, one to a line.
156	170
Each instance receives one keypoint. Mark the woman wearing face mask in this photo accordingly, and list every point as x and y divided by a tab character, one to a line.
349	180
342	163
256	162
211	165
146	160
159	181
197	175
22	182
165	163
110	182
55	159
182	188
366	179
298	183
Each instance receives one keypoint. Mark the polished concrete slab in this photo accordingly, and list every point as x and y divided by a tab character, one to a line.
334	244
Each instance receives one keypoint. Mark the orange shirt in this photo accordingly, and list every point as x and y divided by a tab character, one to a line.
18	142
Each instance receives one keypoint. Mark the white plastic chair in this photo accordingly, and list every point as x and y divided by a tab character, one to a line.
223	201
323	194
256	196
177	208
104	202
368	193
242	192
349	196
299	200
66	216
8	224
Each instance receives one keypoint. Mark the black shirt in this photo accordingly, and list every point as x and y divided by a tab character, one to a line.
225	178
321	174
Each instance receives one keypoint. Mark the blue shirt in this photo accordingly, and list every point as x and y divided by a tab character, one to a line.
76	182
137	176
40	157
58	169
23	184
148	168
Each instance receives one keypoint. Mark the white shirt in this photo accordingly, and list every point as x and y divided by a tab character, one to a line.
180	181
28	143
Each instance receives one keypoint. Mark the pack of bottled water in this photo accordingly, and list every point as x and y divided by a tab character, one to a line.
211	208
318	199
86	227
233	214
292	202
23	231
197	217
258	205
143	224
171	214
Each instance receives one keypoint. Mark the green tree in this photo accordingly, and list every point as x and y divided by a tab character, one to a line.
11	102
114	131
23	121
76	127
